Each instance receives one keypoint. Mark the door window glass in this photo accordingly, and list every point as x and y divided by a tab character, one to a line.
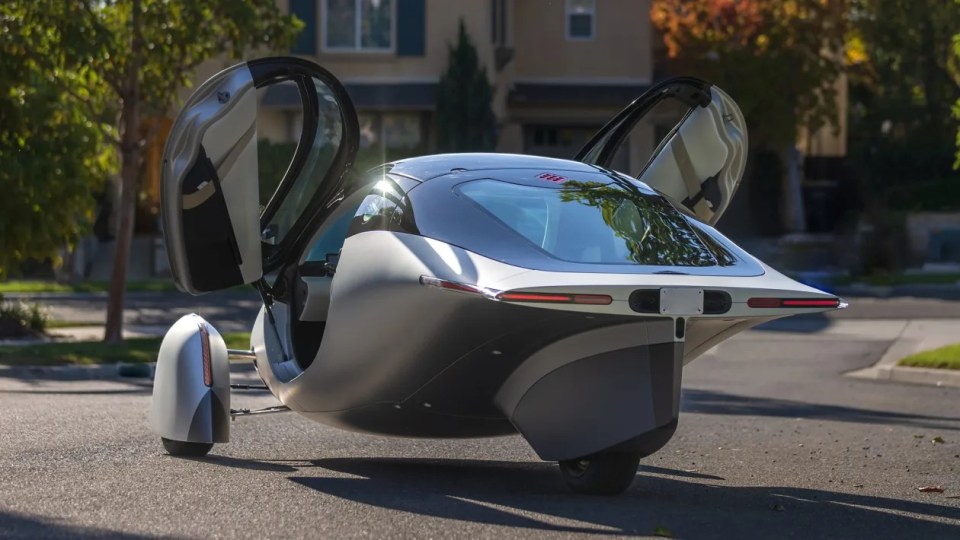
278	128
328	133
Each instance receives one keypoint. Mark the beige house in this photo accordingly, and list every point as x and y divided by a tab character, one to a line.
560	68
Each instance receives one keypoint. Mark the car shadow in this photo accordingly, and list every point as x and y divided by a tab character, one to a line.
15	525
800	324
532	496
241	463
713	402
138	390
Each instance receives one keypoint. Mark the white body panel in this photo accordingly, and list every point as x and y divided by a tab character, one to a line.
183	407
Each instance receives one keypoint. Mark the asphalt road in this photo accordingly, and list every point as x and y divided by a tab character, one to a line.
773	443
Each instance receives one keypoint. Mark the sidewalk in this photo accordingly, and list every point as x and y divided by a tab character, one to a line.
916	336
905	337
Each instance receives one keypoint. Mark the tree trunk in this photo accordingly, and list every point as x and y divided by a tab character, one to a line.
129	172
794	218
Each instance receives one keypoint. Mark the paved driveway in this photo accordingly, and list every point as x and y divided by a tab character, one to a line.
773	443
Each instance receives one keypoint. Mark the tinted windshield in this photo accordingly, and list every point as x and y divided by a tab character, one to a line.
593	222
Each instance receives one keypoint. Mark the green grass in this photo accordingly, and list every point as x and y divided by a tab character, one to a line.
135	350
41	286
943	358
53	324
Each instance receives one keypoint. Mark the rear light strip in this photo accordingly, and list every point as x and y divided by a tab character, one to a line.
768	303
556	298
519	296
205	355
449	285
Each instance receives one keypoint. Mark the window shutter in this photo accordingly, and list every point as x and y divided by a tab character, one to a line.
306	11
411	27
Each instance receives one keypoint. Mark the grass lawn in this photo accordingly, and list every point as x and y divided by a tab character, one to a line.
42	286
53	324
96	352
943	358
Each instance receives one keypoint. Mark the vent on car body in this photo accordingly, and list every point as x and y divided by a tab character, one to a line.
648	301
645	300
716	302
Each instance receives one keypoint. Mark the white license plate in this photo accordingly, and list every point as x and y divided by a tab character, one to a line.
681	301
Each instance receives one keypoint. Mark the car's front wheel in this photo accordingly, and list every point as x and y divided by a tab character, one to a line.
604	473
186	449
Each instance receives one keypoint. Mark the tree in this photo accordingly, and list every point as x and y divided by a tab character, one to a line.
47	196
901	133
902	91
780	59
956	106
465	120
123	61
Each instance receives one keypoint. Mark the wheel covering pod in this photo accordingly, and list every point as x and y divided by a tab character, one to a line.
191	389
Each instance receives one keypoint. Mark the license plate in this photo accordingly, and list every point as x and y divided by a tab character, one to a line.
681	301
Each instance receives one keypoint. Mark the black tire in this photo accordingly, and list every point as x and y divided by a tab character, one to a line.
186	449
605	473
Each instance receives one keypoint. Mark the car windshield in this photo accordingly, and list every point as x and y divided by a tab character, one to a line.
595	222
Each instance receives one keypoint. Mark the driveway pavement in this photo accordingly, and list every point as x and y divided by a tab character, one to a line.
774	442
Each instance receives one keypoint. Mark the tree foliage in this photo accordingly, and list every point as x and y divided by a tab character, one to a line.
901	93
52	157
464	115
123	61
778	58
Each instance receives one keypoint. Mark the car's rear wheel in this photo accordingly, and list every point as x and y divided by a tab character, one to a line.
186	449
604	473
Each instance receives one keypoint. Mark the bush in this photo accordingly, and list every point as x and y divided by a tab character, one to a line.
18	320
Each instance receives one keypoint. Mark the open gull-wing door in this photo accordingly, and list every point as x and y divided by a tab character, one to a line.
699	158
223	224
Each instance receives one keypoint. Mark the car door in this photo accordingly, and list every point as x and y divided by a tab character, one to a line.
698	158
224	225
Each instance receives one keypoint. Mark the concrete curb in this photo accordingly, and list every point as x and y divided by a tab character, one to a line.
140	372
915	336
915	375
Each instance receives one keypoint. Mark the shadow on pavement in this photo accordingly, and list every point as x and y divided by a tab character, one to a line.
815	322
146	390
713	402
239	463
683	474
520	494
15	526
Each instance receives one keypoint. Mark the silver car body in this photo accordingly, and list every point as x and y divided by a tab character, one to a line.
417	301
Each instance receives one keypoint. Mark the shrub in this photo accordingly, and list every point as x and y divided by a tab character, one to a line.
19	319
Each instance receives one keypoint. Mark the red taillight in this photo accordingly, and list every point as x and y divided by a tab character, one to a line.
793	302
592	299
556	298
764	302
550	298
449	285
205	354
811	302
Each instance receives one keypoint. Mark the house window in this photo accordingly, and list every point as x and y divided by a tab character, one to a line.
358	25
581	17
391	130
